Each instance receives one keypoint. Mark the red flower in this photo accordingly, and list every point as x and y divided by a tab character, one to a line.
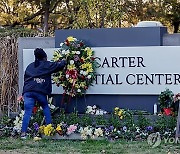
35	109
67	43
92	58
61	78
82	77
81	44
72	73
81	60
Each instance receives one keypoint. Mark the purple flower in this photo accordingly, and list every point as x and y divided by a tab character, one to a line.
76	58
111	128
78	45
36	126
149	128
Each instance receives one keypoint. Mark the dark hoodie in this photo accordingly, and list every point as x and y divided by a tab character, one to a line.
38	78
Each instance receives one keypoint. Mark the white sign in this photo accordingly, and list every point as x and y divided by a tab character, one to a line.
130	70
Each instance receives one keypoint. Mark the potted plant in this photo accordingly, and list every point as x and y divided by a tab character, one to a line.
165	100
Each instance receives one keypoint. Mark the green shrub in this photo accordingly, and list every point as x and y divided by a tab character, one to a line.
142	121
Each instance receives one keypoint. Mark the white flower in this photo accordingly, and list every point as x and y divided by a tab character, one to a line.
16	120
67	76
51	106
71	62
73	52
84	73
21	114
97	112
81	71
89	109
104	112
98	132
18	127
79	90
89	76
94	107
77	52
137	129
61	44
66	52
63	52
101	112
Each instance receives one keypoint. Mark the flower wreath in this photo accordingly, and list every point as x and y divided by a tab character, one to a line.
79	73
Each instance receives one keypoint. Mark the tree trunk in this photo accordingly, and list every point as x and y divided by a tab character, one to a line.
176	26
102	15
46	16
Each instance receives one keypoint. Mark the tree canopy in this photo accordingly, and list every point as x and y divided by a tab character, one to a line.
49	15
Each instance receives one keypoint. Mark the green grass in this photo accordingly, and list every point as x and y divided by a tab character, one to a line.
16	146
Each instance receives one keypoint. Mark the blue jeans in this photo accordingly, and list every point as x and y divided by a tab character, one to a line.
29	101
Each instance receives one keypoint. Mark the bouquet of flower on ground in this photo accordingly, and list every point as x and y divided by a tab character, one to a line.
80	71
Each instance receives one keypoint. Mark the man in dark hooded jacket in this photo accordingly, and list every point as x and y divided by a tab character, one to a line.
37	85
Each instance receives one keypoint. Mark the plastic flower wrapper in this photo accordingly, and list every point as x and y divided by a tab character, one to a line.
86	132
49	130
71	129
59	129
98	132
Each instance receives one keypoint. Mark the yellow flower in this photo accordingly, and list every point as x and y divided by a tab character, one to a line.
49	130
77	86
56	79
58	128
71	67
116	108
87	66
120	113
62	84
41	129
89	51
89	70
70	80
83	58
37	138
82	84
56	56
70	38
121	117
